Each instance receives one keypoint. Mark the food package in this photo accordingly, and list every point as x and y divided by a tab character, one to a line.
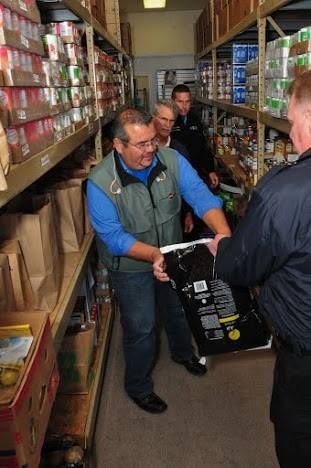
222	318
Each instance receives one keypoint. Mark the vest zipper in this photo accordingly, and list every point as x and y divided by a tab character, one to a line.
154	218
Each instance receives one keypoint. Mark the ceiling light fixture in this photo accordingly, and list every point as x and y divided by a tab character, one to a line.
154	3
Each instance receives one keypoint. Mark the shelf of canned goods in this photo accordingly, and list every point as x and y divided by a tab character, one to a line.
246	59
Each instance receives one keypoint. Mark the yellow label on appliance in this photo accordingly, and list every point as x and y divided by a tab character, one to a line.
234	334
229	319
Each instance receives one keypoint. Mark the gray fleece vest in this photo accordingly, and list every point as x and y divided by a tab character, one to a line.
150	213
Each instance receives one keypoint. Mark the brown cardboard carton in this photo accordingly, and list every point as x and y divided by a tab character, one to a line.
23	78
238	9
24	414
24	8
17	40
126	39
222	22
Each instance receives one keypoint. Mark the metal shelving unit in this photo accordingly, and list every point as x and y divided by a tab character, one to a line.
23	175
266	17
247	22
74	270
238	109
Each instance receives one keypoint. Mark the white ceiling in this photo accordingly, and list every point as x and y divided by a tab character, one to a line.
136	6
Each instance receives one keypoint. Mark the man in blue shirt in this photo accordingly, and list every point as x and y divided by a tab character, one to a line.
134	202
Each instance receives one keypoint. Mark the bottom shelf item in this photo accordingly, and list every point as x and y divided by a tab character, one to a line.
24	414
73	416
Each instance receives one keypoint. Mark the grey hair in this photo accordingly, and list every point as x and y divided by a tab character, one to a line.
166	103
131	116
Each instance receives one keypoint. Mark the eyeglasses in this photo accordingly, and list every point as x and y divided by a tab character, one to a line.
144	145
166	121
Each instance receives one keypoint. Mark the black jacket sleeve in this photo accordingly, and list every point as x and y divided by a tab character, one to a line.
207	158
255	250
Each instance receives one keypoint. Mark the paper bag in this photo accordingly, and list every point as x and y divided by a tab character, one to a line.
21	285
4	159
69	215
34	228
7	303
80	177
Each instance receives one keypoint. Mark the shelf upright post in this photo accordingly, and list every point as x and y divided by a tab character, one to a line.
92	73
261	93
214	64
121	61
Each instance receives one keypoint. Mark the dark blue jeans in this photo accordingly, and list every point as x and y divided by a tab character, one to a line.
139	296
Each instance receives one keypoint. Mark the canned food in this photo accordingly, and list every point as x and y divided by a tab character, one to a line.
76	115
52	28
5	18
74	96
15	21
50	42
75	75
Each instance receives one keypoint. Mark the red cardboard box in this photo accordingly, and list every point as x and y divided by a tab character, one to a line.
24	419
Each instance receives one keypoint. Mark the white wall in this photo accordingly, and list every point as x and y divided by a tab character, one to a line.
163	33
162	40
149	65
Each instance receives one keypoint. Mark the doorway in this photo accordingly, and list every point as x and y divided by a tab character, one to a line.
142	92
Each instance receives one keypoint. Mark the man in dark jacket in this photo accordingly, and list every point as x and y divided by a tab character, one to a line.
188	130
271	247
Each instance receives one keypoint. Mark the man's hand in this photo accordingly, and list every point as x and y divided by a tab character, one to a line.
159	269
213	244
188	223
214	180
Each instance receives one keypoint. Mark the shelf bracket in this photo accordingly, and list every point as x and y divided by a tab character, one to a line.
275	26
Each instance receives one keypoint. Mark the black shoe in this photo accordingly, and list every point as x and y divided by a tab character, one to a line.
151	403
193	366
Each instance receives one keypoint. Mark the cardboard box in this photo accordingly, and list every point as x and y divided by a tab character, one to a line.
29	139
126	37
23	78
238	75
17	40
300	48
254	4
222	22
238	9
22	105
25	8
24	415
75	359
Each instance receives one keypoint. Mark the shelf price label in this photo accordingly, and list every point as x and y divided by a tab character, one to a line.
23	5
21	114
45	160
25	149
24	41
